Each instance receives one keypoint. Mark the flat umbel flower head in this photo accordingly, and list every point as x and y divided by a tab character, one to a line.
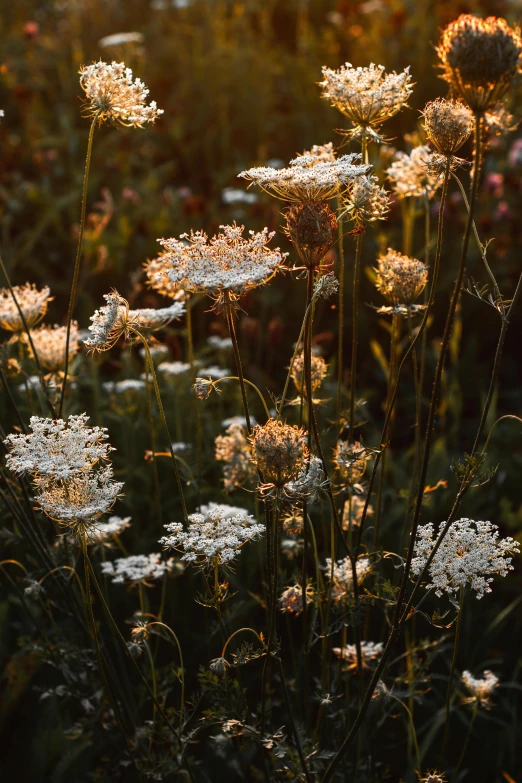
401	280
480	690
308	178
213	538
49	344
365	201
367	96
137	569
33	304
112	95
448	125
103	532
228	264
470	554
342	586
79	501
416	174
233	449
279	451
479	59
57	449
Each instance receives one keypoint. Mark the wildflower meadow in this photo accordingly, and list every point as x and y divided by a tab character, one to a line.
260	387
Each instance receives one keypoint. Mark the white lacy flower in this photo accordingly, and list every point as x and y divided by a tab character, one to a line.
137	568
480	689
32	302
413	174
81	500
216	373
470	554
106	322
369	652
103	531
308	177
49	344
112	95
126	385
212	538
173	368
309	482
151	318
180	446
57	449
240	420
342	571
224	510
226	263
220	343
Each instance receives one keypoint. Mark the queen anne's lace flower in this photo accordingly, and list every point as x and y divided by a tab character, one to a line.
49	344
213	538
367	96
33	304
309	482
318	371
353	511
104	531
310	177
80	501
113	96
227	263
343	575
369	652
173	368
480	689
158	279
414	174
137	569
279	451
123	386
291	599
156	318
470	554
448	124
365	201
233	449
350	460
57	449
401	280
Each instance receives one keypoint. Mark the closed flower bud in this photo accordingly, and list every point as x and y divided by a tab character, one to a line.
399	278
448	125
312	230
279	451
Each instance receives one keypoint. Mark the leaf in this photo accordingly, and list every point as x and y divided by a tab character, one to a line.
379	355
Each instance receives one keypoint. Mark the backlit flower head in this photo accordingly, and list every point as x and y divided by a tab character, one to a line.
365	201
279	451
353	511
367	96
343	575
415	174
212	538
350	460
233	449
137	569
319	368
158	279
57	449
157	317
79	501
480	690
448	124
308	178
479	59
228	263
112	95
470	554
103	532
312	229
308	483
49	344
33	304
291	599
401	280
370	651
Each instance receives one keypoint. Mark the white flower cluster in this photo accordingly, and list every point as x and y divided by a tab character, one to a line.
480	689
81	500
137	569
49	344
151	318
367	96
173	368
220	343
123	386
213	537
309	482
342	571
310	177
216	373
470	554
369	652
113	96
227	262
32	302
414	174
104	531
56	448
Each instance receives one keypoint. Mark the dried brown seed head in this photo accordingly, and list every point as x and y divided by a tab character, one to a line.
279	451
448	124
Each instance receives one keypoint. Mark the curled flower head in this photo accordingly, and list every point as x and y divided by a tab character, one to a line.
291	599
233	449
49	344
32	302
470	554
57	449
79	501
480	690
137	569
416	174
308	178
113	96
278	451
448	124
212	538
319	368
479	59
350	460
365	201
203	387
325	285
367	96
311	227
228	264
400	279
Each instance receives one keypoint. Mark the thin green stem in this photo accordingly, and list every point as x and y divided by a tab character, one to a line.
452	673
77	264
233	336
340	343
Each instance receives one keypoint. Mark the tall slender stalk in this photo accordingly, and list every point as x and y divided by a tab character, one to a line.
229	314
452	672
340	339
76	273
